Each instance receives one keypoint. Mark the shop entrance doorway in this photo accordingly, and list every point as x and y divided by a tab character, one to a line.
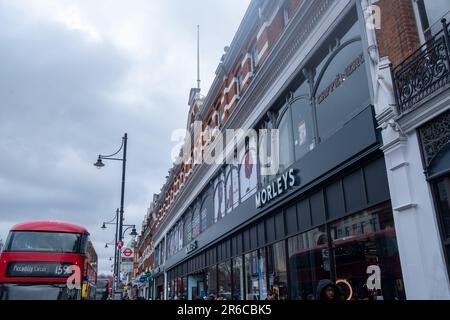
196	286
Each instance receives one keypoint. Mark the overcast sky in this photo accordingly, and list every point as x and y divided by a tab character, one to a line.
74	76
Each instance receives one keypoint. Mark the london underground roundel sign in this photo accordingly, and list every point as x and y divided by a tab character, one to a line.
127	252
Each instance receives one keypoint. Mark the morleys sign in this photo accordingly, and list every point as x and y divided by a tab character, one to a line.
39	270
277	188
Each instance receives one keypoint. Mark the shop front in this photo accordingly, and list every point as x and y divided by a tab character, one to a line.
324	213
343	231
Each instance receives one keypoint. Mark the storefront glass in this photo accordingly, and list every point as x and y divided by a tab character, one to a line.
255	276
238	279
366	255
277	270
211	280
309	262
181	285
224	280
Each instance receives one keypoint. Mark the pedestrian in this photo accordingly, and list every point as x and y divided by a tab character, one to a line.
270	296
212	297
327	290
364	293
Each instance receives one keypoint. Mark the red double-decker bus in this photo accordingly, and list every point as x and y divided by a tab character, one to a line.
39	258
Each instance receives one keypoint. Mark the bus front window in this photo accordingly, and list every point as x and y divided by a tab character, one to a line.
31	241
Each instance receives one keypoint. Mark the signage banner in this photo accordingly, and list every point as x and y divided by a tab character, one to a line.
39	269
127	260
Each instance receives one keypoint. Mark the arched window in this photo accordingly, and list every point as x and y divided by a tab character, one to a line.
219	198
342	89
205	216
232	188
247	172
284	125
302	121
196	223
180	234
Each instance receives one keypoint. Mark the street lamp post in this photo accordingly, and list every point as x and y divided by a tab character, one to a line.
114	221
99	164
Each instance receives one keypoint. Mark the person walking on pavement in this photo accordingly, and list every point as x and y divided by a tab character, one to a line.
327	290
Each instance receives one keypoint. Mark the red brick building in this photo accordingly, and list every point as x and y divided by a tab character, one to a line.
351	85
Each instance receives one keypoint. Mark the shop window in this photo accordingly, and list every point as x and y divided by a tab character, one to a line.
224	280
442	195
309	262
247	174
219	198
255	276
366	255
277	270
431	13
286	152
211	280
238	279
196	223
181	285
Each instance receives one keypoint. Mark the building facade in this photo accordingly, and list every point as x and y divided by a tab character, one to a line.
355	191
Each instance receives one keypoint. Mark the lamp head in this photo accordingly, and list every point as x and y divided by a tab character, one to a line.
99	164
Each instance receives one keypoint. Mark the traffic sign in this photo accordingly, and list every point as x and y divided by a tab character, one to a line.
120	244
127	252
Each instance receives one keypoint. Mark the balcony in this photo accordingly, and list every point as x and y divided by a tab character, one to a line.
424	74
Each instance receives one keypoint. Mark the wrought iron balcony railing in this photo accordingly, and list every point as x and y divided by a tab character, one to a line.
424	73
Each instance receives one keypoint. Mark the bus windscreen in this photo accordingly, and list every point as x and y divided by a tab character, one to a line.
33	241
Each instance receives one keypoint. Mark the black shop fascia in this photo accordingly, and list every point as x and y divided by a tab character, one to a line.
278	187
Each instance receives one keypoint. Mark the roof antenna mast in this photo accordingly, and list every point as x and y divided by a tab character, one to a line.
198	57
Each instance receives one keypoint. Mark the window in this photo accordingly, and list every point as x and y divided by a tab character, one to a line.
232	188
365	244
238	279
254	54
187	229
224	279
255	276
204	217
309	262
247	174
343	89
211	280
303	127
219	198
277	270
286	156
32	241
239	82
442	196
180	235
196	223
431	13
